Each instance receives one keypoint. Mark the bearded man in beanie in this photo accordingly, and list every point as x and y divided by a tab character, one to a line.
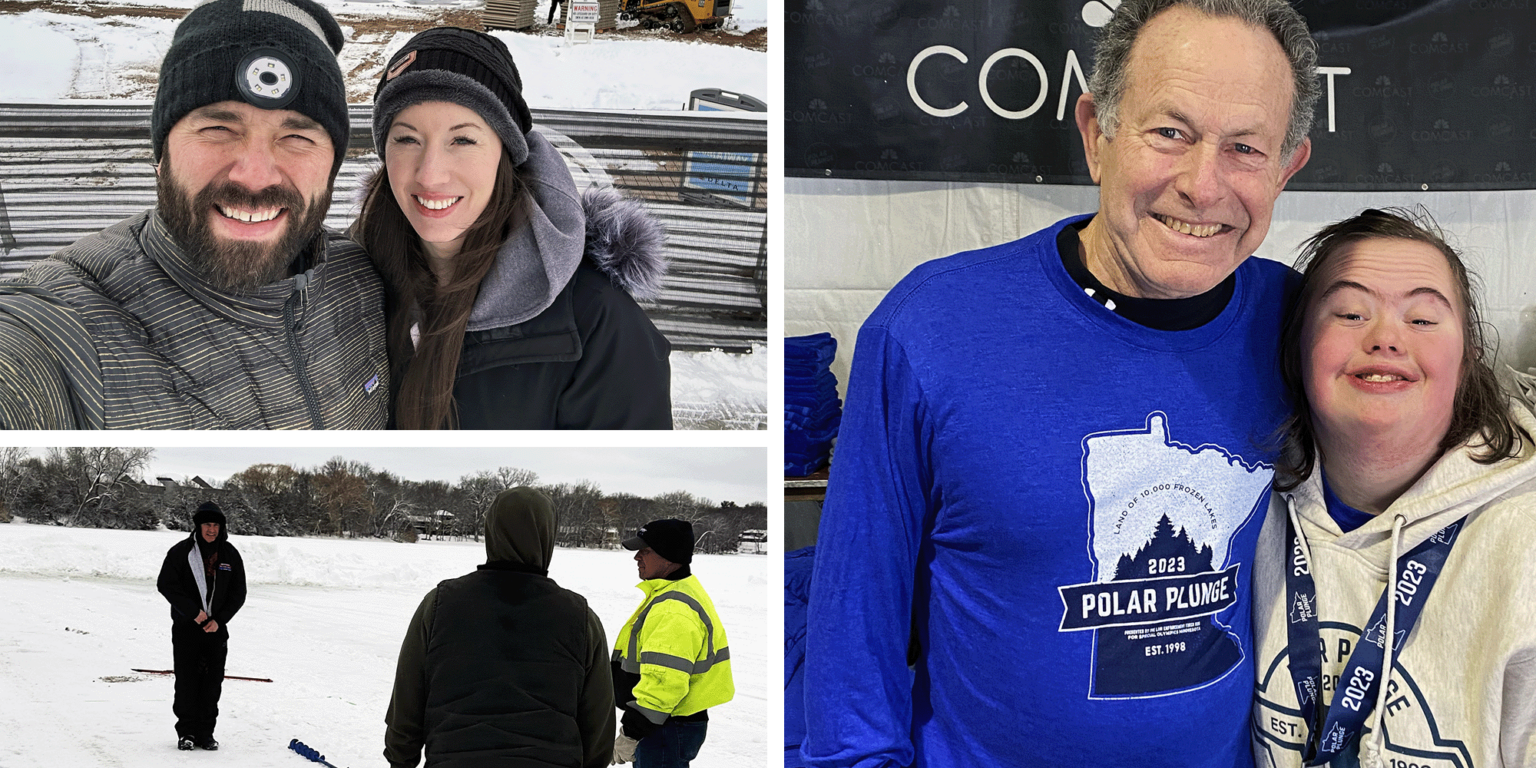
203	579
228	305
671	662
504	667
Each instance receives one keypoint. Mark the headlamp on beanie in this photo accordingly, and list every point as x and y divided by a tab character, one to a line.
271	54
267	80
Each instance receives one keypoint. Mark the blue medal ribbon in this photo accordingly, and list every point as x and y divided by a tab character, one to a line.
1355	694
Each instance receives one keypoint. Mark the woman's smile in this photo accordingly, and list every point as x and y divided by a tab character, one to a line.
442	160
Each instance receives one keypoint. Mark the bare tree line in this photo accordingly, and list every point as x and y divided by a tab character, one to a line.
105	488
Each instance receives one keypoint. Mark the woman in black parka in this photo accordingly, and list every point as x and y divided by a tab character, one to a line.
510	297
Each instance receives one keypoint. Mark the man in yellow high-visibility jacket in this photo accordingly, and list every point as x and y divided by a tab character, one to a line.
671	662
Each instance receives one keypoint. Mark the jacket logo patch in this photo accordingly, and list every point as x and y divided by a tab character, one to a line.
405	63
373	383
225	567
1162	519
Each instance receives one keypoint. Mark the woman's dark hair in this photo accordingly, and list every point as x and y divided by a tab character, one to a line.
424	372
1480	410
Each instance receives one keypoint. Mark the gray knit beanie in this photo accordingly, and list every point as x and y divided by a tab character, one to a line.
459	66
272	54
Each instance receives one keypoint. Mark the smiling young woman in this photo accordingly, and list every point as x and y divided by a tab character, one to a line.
442	164
1406	512
510	296
1389	242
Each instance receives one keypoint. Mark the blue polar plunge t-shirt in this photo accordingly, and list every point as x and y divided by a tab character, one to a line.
1061	506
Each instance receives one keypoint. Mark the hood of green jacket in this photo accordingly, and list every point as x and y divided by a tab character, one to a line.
520	528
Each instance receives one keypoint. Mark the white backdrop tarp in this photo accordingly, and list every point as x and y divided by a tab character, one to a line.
846	242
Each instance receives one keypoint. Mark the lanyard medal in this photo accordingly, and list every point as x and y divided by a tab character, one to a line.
1355	694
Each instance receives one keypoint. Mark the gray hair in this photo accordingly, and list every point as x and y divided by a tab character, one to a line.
1113	53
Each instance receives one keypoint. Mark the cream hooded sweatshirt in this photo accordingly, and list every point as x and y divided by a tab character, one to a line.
1462	690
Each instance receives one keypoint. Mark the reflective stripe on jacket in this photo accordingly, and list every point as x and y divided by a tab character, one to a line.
676	644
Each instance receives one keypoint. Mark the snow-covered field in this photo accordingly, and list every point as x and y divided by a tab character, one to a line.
324	621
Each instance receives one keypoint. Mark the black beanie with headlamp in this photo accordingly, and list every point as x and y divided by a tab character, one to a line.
271	54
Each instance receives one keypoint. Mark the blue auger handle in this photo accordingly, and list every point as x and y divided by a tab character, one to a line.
308	752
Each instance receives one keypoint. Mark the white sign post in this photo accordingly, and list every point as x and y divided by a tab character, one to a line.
580	20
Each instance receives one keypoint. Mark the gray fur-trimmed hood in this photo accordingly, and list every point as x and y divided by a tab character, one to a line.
616	235
602	227
624	242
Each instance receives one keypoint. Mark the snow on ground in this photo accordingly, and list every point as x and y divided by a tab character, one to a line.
719	390
39	61
50	55
324	621
747	14
657	74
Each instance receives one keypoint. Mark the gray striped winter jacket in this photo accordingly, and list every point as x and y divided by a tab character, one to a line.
117	331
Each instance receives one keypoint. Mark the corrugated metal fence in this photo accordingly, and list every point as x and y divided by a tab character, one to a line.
67	170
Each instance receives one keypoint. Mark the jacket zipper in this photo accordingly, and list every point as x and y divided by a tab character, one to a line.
291	329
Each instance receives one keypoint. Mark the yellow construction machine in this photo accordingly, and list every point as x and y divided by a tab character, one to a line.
677	15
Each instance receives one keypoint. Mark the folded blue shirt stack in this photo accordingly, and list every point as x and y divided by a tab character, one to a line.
811	408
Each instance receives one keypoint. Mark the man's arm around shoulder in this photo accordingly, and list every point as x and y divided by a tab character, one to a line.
43	347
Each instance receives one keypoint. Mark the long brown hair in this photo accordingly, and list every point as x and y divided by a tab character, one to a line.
1480	410
424	372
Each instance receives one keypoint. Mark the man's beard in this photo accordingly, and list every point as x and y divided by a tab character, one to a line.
237	266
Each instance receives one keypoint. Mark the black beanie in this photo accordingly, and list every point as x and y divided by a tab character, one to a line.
672	539
461	66
208	512
272	54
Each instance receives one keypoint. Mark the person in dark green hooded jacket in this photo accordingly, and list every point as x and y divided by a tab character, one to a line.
503	667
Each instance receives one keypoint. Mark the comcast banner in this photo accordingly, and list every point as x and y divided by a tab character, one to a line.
1417	94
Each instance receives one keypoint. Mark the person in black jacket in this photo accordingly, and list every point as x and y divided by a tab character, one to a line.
203	578
503	667
510	298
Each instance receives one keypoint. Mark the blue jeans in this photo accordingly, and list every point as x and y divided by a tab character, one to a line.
672	745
